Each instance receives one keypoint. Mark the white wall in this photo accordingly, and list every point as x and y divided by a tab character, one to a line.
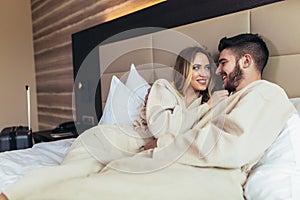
16	64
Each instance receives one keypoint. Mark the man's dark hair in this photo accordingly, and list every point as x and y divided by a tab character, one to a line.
247	43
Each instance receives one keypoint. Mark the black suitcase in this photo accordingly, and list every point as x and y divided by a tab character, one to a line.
15	137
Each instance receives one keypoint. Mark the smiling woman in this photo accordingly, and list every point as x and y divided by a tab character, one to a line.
201	73
195	75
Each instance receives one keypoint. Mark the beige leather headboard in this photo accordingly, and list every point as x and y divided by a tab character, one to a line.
153	54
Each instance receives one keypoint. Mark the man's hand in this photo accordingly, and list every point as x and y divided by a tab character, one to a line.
217	97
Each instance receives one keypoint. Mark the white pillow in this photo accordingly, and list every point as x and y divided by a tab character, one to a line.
277	174
136	83
296	102
124	102
121	105
106	117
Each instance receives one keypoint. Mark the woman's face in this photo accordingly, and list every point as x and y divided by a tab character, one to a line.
200	72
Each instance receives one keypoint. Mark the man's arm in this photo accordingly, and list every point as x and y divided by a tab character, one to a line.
251	123
236	136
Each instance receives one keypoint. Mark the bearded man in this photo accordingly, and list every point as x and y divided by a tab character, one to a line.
232	136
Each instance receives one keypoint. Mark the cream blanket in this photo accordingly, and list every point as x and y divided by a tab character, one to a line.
207	158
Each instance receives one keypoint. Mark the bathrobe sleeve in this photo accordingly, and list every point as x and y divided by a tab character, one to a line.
238	134
166	114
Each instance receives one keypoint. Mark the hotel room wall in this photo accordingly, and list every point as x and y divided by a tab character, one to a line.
269	21
53	23
16	64
277	23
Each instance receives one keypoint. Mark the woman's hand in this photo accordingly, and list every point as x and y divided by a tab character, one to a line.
151	145
3	197
217	97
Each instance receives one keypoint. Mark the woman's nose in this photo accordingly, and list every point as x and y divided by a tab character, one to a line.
203	72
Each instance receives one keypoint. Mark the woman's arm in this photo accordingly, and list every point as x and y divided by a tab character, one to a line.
166	114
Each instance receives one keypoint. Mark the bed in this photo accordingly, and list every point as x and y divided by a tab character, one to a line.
275	176
131	59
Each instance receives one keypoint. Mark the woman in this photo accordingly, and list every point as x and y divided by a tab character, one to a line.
179	105
170	109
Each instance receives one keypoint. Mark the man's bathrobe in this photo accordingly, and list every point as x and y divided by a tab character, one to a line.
202	153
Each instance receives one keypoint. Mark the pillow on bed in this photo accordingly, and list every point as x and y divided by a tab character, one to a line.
136	83
277	174
121	104
296	102
124	102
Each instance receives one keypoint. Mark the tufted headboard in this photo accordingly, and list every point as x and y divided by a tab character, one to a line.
152	44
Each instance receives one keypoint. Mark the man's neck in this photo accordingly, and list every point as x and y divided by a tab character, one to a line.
249	78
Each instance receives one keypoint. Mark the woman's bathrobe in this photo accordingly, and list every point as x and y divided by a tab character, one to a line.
202	153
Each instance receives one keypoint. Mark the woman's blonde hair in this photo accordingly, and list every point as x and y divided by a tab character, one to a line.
183	71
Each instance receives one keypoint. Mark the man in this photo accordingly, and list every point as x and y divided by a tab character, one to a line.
234	135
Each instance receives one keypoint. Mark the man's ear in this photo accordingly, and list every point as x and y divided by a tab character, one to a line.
246	60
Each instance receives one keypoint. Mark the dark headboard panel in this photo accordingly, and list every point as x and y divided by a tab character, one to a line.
168	14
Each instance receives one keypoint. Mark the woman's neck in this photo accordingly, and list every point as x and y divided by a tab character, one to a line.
190	96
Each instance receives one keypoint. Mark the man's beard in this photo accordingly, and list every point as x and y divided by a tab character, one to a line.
234	78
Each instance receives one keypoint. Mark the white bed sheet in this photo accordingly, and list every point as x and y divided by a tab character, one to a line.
14	164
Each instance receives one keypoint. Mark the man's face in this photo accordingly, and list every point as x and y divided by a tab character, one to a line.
230	70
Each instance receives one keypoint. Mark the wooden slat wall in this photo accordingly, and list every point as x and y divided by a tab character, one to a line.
54	21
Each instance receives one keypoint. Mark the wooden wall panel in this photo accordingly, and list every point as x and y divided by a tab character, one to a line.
73	14
53	58
54	21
